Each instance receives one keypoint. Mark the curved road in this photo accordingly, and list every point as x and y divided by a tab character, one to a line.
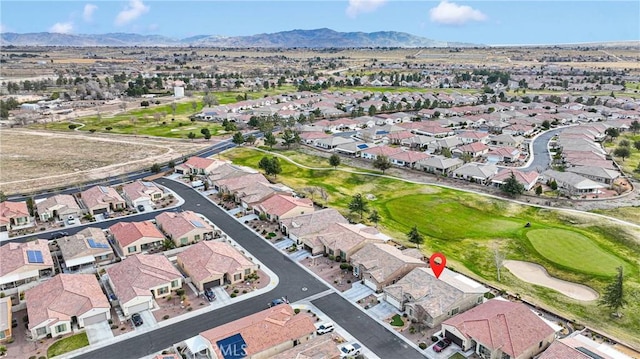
295	283
541	158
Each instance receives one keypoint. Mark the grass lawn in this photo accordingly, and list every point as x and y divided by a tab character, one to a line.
68	344
397	321
629	165
629	214
457	356
573	250
465	227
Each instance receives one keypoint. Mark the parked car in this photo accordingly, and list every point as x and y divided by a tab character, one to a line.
58	235
278	301
325	328
209	294
350	350
71	220
137	319
140	208
106	215
442	345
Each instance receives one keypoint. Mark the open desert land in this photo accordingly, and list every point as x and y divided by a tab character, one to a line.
38	160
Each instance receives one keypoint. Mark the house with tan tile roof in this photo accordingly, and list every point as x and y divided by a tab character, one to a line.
101	199
381	264
140	278
497	328
14	214
311	223
430	300
261	335
317	347
198	166
141	193
211	263
228	170
374	152
238	182
5	320
408	158
184	227
476	172
281	206
135	237
64	303
474	149
24	262
342	239
527	179
59	206
86	248
439	165
257	192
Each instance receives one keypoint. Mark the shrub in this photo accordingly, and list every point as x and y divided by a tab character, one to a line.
344	265
236	291
168	297
73	126
434	338
165	317
244	291
297	310
331	257
189	309
422	346
233	295
114	326
180	291
348	281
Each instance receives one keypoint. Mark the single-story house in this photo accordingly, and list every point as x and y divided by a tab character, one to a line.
136	237
381	264
6	321
281	206
142	193
439	165
597	174
506	140
330	143
14	214
431	300
500	329
503	154
59	206
85	248
64	303
310	223
101	199
320	346
342	239
476	172
573	184
474	149
527	179
211	264
238	182
198	166
374	152
24	262
257	192
140	278
184	227
353	148
408	158
258	336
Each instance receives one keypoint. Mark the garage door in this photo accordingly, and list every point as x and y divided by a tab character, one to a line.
95	319
139	308
455	339
370	284
213	283
393	301
100	210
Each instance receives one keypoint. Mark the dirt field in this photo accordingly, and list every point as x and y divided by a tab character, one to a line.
33	160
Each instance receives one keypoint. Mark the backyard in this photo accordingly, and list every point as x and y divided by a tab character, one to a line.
466	227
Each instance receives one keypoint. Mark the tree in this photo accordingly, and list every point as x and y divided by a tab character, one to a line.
446	152
270	140
613	296
334	160
31	206
144	103
539	190
546	124
3	197
191	136
251	139
171	164
173	107
635	127
271	166
415	236
238	138
622	152
288	137
382	163
194	106
155	168
636	144
512	187
612	133
358	204
553	185
624	143
374	217
209	100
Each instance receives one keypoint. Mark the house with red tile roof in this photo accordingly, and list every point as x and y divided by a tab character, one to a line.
474	149
142	193
380	264
256	193
198	166
14	214
101	199
559	350
503	154
64	303
310	223
374	152
21	263
527	179
500	329
408	158
231	185
135	237
261	335
473	136
211	264
140	278
282	206
184	227
59	206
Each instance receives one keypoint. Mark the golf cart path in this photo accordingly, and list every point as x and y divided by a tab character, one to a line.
538	275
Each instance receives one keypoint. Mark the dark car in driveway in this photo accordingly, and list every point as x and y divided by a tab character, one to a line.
209	294
278	301
442	345
140	208
58	235
137	319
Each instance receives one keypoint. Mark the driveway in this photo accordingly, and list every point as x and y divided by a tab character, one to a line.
99	332
149	321
357	292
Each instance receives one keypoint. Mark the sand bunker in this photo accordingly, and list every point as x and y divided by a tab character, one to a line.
536	274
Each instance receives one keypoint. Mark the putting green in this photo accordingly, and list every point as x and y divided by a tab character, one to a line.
575	251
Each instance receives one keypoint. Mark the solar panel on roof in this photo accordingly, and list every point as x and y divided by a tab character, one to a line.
94	244
34	256
362	146
198	224
232	347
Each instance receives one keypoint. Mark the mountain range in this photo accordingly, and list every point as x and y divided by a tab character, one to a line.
317	38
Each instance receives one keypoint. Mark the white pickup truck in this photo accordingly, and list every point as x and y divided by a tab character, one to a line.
350	350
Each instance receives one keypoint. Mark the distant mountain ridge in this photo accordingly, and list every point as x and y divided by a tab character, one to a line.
317	38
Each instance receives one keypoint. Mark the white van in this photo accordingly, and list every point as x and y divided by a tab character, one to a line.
325	328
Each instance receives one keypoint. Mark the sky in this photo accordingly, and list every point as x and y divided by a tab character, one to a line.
503	22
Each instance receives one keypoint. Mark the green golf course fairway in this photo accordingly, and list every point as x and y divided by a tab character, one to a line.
574	251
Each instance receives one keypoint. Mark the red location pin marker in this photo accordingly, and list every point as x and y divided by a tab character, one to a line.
435	266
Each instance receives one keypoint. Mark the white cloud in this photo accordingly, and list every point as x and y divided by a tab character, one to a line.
363	6
3	28
134	10
62	27
87	13
449	13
